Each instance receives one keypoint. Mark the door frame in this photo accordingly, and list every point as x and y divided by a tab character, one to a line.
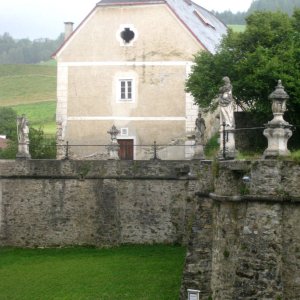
129	137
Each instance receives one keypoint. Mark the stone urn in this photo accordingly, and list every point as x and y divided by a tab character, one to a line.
278	131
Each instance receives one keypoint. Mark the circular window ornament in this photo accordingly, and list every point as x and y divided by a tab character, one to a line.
126	35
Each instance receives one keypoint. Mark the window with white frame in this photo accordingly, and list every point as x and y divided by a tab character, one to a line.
126	90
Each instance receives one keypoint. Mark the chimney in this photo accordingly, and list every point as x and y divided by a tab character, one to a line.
68	29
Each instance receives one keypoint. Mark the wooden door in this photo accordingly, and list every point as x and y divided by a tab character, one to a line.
126	149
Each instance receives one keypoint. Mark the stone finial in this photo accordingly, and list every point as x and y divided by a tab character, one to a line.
278	131
114	131
278	98
279	92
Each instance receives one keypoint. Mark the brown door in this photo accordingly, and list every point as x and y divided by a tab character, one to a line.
126	149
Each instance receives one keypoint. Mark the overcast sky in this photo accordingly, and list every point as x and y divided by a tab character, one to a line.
44	18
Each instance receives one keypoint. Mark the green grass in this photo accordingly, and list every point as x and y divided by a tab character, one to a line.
128	272
212	147
22	84
31	90
39	115
237	28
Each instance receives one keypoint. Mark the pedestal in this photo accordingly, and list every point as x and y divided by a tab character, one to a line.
199	153
23	151
227	144
277	141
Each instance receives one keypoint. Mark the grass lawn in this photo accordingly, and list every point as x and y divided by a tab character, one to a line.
237	28
40	114
20	84
127	272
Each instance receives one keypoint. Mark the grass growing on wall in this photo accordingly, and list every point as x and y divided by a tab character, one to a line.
128	272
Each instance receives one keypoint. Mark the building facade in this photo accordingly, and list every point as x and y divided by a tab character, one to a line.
126	65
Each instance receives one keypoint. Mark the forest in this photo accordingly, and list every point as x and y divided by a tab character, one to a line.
287	6
25	51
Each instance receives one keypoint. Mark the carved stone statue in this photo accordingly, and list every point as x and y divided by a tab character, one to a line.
200	129
23	137
227	124
226	103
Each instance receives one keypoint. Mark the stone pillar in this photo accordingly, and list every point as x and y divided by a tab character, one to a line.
23	138
278	131
113	147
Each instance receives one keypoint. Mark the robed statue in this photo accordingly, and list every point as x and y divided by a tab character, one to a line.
226	103
23	137
200	128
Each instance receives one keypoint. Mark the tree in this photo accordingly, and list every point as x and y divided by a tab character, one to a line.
268	50
41	147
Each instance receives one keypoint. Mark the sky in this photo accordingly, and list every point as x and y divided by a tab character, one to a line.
45	18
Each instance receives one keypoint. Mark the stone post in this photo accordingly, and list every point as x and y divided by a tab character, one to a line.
278	131
113	147
23	138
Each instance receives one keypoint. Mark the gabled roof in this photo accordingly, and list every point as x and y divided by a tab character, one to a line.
202	24
126	2
205	26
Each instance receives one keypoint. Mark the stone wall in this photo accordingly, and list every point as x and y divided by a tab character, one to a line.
242	237
102	203
254	236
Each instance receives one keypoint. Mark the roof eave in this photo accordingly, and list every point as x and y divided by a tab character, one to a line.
130	3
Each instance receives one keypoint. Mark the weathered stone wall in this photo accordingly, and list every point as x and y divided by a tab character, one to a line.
243	239
254	235
51	203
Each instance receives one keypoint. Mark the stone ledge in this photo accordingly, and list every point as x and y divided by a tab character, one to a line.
260	198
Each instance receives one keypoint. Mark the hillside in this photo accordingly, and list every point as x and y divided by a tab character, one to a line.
22	84
30	90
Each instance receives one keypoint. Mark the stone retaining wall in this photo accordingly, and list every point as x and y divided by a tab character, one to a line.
254	236
243	238
103	203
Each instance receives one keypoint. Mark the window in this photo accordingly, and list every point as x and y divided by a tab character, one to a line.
126	35
124	131
125	90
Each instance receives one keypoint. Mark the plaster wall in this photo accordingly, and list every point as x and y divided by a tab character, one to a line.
158	60
97	39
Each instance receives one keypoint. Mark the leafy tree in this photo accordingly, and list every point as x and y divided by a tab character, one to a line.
8	121
41	147
268	50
